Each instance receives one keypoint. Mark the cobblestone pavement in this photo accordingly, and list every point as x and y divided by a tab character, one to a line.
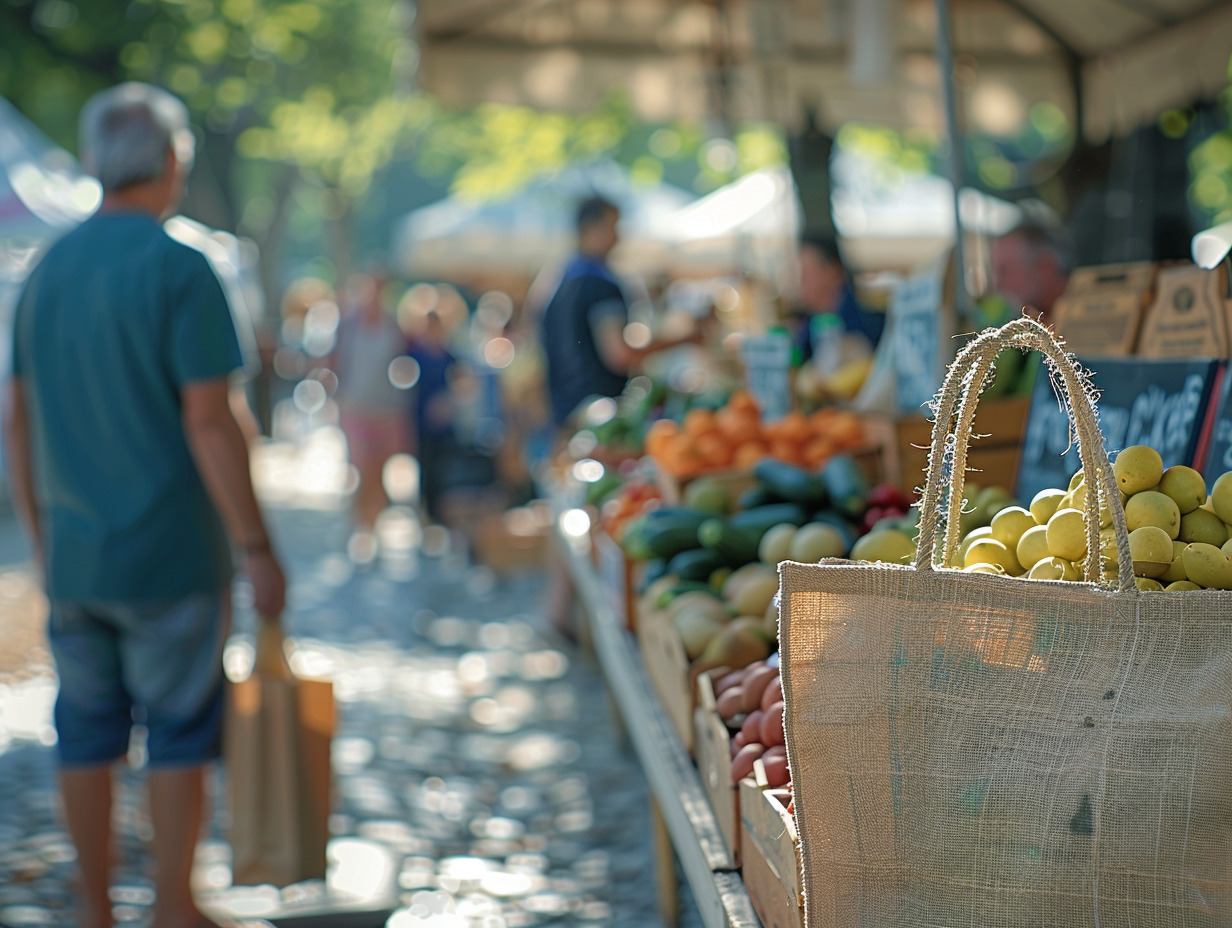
480	777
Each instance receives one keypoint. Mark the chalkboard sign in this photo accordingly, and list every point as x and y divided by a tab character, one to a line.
1156	403
918	370
1217	459
767	372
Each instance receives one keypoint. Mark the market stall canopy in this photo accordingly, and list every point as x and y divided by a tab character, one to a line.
523	232
867	61
43	192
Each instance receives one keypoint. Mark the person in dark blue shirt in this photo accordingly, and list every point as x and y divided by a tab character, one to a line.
583	326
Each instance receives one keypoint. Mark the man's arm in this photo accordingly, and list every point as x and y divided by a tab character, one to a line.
221	454
619	356
17	443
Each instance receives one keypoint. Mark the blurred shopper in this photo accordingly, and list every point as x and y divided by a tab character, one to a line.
583	326
127	463
432	411
583	337
827	294
372	409
1031	264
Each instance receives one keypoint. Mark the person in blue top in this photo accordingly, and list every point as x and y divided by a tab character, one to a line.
131	474
825	287
583	325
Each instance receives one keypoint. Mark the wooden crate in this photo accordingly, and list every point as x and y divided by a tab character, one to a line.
992	458
712	748
771	855
667	665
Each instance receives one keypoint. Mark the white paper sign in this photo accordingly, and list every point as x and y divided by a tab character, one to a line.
917	355
767	370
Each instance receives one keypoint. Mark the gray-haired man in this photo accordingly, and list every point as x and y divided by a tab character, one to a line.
130	472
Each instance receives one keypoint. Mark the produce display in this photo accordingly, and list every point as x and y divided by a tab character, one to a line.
735	436
750	702
1178	534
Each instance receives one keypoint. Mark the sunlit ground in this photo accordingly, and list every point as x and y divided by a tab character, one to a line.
473	760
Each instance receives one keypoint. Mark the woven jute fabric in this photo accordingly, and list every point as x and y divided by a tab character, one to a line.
975	750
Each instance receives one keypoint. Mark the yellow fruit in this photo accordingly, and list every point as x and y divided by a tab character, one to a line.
1067	535
1207	566
1186	487
984	531
1221	497
1044	504
991	551
776	544
1150	507
884	544
985	569
1200	525
1176	570
1226	547
1077	498
1180	586
1053	568
1009	524
1032	547
815	541
1151	549
1077	480
1149	585
1138	468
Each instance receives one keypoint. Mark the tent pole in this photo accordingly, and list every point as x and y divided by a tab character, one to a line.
945	65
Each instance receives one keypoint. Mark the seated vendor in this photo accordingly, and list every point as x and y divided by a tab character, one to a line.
826	287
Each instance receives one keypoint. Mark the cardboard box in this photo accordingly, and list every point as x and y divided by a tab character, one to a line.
712	744
619	574
1189	316
667	665
992	458
514	540
1101	311
771	869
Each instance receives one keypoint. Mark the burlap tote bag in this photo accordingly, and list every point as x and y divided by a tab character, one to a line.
276	747
978	750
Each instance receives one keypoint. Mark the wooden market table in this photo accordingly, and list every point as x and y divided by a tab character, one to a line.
683	817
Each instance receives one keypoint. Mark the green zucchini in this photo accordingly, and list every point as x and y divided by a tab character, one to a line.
791	483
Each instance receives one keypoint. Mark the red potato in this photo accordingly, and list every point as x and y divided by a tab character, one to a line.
730	703
737	742
773	693
742	763
752	726
727	681
755	683
771	727
774	760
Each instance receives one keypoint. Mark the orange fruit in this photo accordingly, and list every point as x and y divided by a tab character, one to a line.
795	427
817	451
714	450
657	436
749	453
738	426
698	422
679	457
786	450
742	401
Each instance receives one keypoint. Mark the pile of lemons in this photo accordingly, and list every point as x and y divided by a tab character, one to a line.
1178	534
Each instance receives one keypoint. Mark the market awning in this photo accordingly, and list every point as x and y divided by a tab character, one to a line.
869	61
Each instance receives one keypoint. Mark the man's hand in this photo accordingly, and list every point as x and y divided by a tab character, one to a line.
269	585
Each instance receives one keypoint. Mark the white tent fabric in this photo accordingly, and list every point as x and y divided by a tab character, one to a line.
531	228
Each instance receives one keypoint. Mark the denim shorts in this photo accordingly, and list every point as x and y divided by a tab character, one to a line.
159	665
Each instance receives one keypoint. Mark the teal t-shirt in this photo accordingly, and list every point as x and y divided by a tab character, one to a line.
116	318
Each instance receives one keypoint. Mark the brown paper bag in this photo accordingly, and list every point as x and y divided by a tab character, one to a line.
985	751
276	747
